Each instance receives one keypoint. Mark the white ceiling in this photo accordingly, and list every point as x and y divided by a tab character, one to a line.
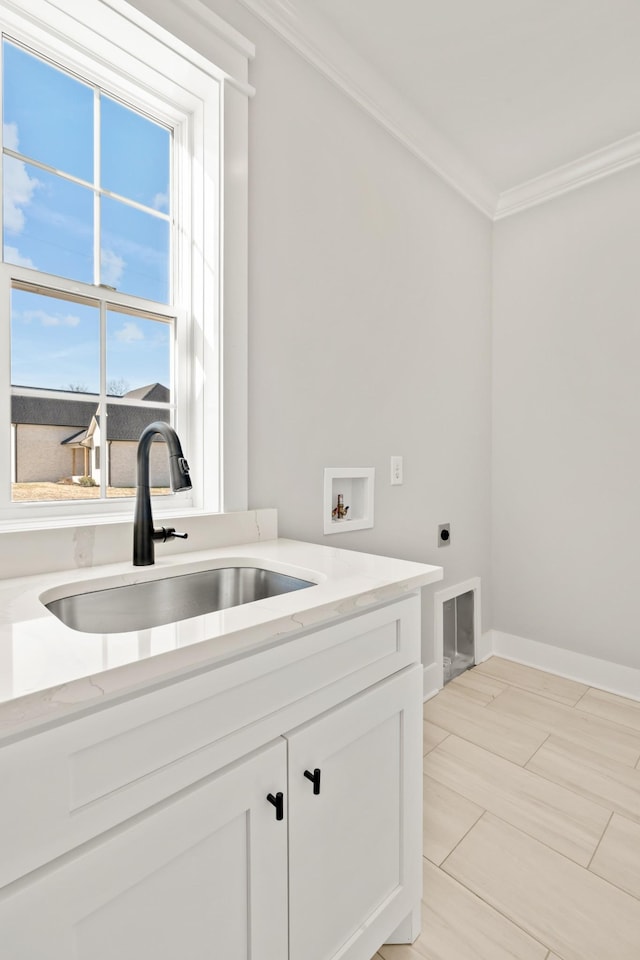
517	88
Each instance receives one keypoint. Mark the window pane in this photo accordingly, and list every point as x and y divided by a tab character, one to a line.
135	155
124	427
48	222
55	343
48	115
50	456
134	251
138	357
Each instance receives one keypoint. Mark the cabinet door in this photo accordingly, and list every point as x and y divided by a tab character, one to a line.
355	847
202	875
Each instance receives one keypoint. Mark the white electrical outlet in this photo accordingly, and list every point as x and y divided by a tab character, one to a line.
396	470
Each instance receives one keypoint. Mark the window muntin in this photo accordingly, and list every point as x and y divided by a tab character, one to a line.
85	197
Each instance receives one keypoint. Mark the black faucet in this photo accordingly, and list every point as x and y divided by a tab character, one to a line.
143	530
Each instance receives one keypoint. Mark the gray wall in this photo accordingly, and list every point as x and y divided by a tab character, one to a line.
369	325
566	468
369	307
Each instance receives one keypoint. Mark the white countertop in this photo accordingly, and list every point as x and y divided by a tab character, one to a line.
49	671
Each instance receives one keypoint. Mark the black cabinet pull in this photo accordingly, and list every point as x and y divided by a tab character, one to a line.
278	802
315	779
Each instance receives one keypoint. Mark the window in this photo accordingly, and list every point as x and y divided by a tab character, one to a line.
111	259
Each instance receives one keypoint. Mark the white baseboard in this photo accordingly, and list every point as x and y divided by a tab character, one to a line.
484	646
613	677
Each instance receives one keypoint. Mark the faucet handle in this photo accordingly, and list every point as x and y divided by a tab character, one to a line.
168	533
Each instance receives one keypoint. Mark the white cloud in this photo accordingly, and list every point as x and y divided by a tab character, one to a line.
13	255
49	319
129	332
111	268
19	187
160	201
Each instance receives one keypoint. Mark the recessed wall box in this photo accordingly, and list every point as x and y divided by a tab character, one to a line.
348	499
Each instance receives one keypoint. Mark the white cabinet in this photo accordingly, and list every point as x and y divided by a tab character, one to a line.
201	875
354	845
144	830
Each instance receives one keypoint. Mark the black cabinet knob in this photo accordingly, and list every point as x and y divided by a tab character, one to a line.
278	803
315	779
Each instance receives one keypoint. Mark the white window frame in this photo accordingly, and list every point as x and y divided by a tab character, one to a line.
207	107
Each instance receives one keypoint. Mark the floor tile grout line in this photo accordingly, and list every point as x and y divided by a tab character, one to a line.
537	750
589	687
455	847
605	809
598	801
453	733
621	728
492	906
598	847
548	846
466	688
597	716
613	726
541	693
506	915
575	706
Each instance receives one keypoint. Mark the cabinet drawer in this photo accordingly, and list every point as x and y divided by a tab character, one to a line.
66	785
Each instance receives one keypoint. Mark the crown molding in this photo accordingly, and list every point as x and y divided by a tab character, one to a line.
296	22
593	166
322	47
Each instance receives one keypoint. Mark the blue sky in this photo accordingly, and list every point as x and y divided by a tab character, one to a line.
48	116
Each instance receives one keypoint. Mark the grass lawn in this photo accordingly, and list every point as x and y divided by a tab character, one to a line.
71	491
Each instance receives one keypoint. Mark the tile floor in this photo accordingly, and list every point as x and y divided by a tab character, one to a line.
531	821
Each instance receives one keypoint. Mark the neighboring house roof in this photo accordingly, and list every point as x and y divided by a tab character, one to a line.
153	391
125	423
52	413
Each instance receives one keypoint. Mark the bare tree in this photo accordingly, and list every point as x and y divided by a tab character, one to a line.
117	388
78	387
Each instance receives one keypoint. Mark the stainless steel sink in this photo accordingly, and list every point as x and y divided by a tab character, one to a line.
138	606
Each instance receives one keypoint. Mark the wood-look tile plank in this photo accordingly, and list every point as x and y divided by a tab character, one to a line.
537	681
570	824
574	912
471	693
608	782
457	925
609	706
505	736
484	688
446	818
603	736
617	859
432	735
402	951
